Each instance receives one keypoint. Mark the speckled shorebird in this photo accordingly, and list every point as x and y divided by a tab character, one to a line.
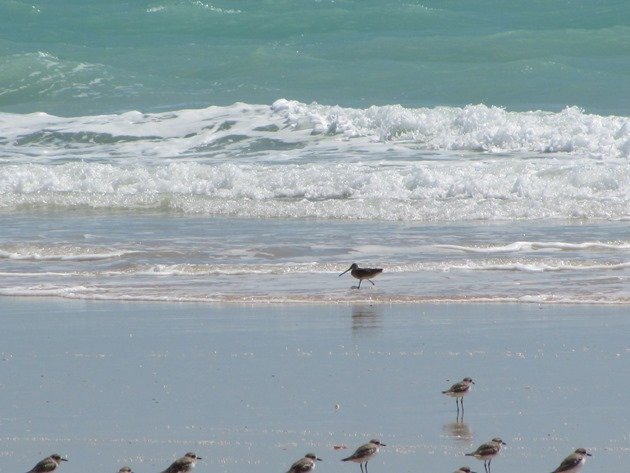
487	452
48	464
125	469
304	465
183	464
459	390
364	453
464	469
363	273
573	462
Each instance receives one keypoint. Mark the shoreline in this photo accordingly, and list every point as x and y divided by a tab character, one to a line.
250	300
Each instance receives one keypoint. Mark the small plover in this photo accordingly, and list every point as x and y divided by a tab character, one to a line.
464	469
48	464
364	453
306	464
183	464
362	273
125	469
459	390
487	452
573	462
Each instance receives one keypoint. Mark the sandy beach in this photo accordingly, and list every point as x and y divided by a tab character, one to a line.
256	387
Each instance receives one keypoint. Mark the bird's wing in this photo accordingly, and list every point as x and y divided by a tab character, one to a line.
569	462
459	388
487	449
302	465
47	464
175	467
364	451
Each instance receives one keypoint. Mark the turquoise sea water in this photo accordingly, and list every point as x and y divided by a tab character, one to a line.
86	57
252	150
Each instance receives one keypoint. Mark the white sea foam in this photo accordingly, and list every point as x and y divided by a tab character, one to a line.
413	191
59	254
88	293
288	269
475	127
520	246
202	131
298	160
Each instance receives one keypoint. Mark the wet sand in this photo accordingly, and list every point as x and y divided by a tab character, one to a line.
254	388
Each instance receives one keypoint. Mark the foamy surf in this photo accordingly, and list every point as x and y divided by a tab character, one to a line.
256	130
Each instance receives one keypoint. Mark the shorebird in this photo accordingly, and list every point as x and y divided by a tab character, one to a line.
573	462
487	452
464	469
364	453
459	390
183	464
48	464
125	469
305	464
363	273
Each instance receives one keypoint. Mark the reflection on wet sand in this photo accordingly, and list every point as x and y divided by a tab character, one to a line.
366	317
458	431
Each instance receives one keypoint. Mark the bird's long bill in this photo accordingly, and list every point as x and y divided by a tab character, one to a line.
319	459
346	271
64	459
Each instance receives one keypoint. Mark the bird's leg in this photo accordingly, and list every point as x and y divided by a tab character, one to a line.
359	287
372	282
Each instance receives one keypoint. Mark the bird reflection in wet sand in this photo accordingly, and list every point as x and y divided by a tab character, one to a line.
464	469
459	431
362	273
366	317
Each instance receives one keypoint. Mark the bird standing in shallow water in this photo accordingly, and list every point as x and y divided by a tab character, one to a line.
458	391
364	453
487	452
306	464
48	464
183	464
363	273
573	462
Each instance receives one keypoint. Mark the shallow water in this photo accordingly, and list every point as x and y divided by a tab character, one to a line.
166	257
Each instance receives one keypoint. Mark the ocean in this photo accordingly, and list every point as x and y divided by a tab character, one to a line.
239	151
